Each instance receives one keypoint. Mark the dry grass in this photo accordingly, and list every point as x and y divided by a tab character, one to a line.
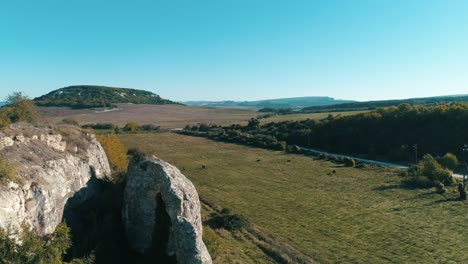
351	216
166	116
7	171
313	116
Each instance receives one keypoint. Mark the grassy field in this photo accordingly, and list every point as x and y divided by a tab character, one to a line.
353	215
299	117
166	116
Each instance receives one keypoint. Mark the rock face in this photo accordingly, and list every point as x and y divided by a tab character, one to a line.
161	212
48	176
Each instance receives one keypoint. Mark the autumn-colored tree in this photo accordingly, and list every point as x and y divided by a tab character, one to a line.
115	151
131	127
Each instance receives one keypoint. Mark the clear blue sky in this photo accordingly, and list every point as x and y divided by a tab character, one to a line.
237	49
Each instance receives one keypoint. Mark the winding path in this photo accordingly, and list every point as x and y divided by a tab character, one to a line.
368	161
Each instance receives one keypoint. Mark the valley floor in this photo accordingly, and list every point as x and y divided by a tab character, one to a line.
352	215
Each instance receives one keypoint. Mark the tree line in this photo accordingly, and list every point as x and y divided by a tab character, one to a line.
391	133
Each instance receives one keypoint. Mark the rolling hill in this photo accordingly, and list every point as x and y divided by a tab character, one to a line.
296	102
91	96
369	105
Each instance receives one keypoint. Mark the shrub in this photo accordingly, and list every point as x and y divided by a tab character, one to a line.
449	161
229	221
440	188
150	127
349	162
33	248
115	151
131	127
7	171
323	156
21	108
70	121
4	120
430	168
462	191
104	126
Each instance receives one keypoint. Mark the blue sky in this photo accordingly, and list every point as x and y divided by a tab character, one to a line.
239	50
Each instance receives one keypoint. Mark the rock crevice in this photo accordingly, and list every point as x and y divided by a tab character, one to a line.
161	211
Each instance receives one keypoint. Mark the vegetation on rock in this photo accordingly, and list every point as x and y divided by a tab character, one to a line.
19	108
7	171
115	151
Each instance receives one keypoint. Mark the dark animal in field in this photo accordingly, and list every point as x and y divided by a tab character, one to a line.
334	171
258	160
203	167
288	161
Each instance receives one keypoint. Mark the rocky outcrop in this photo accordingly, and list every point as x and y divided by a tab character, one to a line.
161	212
48	176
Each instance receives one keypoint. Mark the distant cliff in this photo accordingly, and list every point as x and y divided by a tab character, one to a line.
91	96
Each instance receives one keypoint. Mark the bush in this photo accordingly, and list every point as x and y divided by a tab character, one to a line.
70	121
323	156
462	191
229	221
131	127
430	168
104	126
115	151
33	248
4	119
150	127
7	171
349	162
440	188
449	161
21	108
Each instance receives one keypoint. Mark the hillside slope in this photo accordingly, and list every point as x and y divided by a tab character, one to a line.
90	96
296	102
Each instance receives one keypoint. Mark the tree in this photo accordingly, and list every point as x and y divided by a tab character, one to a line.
131	127
449	161
349	162
253	124
115	151
21	108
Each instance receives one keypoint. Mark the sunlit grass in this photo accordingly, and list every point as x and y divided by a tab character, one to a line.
353	215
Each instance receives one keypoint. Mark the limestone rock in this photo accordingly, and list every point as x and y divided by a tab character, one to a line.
48	177
6	141
162	209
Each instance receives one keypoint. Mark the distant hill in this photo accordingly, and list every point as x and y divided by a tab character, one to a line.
296	102
369	105
91	96
2	103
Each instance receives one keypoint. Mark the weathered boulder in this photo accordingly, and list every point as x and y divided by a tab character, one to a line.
47	177
161	212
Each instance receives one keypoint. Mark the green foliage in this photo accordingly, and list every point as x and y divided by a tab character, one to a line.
229	221
253	124
462	191
440	188
7	171
115	151
99	126
70	121
349	162
34	249
449	161
88	96
429	168
323	156
372	105
386	132
19	109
